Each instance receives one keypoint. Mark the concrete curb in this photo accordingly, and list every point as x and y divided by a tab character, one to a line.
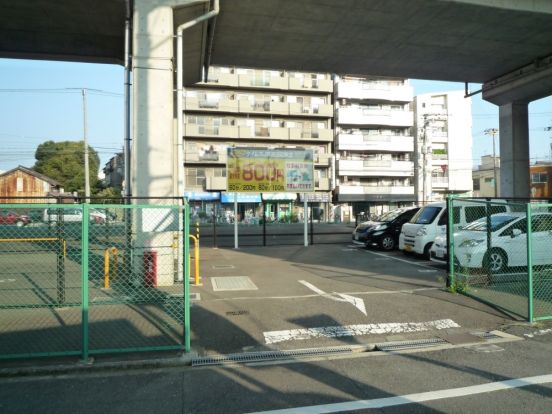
92	366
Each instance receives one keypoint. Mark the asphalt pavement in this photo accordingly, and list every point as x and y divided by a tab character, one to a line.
341	297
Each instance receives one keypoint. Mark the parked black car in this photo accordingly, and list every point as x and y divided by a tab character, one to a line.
359	233
385	233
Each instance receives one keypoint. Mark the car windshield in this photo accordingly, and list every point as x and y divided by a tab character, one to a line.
426	215
390	215
497	222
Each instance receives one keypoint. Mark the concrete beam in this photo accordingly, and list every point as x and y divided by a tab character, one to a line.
514	150
529	83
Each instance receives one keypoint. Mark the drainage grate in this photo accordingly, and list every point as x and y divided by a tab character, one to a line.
232	283
399	346
247	357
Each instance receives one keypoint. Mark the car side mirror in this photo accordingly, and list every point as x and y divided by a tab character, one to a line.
516	232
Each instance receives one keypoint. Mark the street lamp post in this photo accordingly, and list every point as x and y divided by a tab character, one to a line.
493	132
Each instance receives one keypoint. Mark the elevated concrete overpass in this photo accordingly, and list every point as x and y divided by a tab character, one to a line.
504	44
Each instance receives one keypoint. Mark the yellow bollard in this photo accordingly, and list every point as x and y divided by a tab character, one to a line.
107	256
196	259
106	269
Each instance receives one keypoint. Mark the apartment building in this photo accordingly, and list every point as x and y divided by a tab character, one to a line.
374	145
256	108
483	177
442	145
114	172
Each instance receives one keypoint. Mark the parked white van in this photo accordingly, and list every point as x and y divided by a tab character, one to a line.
418	234
71	215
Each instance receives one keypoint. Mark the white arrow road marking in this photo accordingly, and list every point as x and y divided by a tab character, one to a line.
356	330
338	297
313	288
356	302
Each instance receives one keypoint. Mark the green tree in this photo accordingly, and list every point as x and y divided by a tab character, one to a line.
64	162
109	192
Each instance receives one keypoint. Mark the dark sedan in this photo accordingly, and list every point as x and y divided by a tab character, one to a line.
385	233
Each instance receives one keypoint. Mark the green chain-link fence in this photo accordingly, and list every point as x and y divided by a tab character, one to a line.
80	279
503	257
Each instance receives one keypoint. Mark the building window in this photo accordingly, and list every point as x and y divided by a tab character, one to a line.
539	178
489	179
19	184
476	184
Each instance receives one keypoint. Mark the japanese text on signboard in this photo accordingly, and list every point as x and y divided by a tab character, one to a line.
270	170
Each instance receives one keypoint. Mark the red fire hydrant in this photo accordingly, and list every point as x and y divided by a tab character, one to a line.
150	268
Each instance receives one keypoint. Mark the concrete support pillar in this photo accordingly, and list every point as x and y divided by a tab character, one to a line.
514	150
153	112
153	158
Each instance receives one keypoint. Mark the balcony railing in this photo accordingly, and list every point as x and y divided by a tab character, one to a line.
366	189
388	143
373	168
378	91
366	116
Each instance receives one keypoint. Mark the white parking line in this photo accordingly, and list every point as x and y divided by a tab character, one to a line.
376	292
400	260
416	398
356	330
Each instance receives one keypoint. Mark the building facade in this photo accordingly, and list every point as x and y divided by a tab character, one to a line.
263	109
114	172
374	145
442	145
23	182
541	185
484	177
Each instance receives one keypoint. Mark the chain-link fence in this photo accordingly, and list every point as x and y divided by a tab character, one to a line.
500	253
80	279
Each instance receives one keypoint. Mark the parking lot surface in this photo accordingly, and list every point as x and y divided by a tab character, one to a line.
289	297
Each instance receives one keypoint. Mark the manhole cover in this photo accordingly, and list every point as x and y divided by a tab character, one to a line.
232	283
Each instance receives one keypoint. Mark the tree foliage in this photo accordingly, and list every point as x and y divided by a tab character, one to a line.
109	192
64	162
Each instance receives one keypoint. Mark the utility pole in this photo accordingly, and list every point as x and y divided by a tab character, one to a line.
493	132
86	168
549	128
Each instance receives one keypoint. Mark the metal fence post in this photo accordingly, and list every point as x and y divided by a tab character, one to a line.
84	280
311	226
450	240
186	278
60	228
529	265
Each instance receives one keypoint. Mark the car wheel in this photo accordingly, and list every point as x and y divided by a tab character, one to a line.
387	243
495	261
426	251
19	223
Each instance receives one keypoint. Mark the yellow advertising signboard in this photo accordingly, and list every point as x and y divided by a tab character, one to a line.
264	170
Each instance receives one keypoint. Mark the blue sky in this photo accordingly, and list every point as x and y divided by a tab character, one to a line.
37	104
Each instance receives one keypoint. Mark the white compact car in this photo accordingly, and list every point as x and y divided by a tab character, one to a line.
508	242
438	252
418	235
